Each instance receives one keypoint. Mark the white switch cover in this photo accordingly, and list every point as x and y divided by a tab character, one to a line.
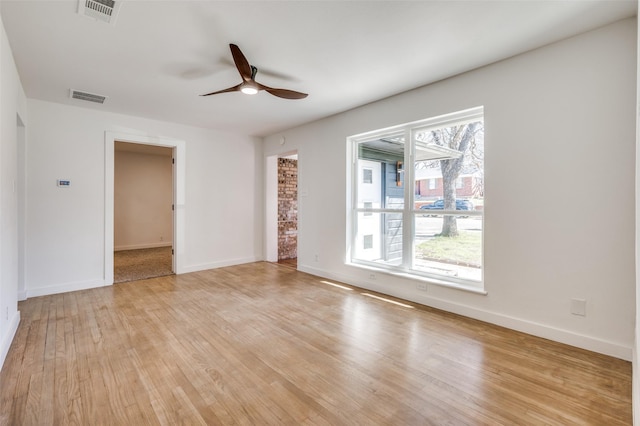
579	307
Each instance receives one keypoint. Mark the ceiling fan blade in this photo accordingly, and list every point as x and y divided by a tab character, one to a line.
241	62
249	84
283	93
230	89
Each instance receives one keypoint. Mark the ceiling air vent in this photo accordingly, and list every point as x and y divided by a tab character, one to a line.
102	10
90	97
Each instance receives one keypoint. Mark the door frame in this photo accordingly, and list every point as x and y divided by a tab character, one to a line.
271	204
179	172
22	205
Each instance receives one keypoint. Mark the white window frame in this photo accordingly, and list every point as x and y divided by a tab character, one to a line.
409	212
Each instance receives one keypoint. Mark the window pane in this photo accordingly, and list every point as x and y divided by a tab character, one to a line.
459	256
367	175
449	167
381	171
379	238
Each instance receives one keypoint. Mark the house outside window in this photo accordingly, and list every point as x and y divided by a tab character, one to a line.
367	176
368	242
367	205
432	229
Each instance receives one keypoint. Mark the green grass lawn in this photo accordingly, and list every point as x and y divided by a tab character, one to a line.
465	249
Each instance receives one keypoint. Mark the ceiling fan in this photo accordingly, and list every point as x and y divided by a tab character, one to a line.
249	84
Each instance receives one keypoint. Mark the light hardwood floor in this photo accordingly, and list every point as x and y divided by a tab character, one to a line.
263	344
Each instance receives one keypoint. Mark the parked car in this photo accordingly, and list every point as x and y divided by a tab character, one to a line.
439	205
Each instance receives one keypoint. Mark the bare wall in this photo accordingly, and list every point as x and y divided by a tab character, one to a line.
143	195
66	228
559	219
12	107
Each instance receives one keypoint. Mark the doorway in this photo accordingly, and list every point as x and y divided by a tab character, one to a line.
143	211
282	209
179	189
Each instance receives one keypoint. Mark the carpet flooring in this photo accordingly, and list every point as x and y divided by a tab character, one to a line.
133	265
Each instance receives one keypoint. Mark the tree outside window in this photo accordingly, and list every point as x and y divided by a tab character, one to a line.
432	228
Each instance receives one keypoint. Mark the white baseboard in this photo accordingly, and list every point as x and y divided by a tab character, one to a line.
8	338
518	324
143	246
530	327
64	288
219	264
22	295
84	285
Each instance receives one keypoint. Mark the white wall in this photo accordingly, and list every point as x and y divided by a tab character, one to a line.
143	194
12	107
636	347
559	223
65	231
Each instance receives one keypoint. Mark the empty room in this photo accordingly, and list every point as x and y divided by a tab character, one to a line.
463	206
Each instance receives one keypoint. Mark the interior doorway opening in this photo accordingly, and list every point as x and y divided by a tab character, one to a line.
282	209
143	211
179	207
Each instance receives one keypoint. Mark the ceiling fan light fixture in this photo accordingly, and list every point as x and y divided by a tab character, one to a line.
249	88
249	85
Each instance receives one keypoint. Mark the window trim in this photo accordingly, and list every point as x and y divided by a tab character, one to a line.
409	211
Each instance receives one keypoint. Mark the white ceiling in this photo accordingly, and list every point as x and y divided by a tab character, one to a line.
160	55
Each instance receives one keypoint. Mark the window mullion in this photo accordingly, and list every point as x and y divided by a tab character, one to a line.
407	214
354	202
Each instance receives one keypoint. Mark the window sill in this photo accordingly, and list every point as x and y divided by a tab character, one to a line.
414	277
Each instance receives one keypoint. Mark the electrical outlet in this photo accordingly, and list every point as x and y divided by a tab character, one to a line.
7	314
421	286
317	258
161	238
372	277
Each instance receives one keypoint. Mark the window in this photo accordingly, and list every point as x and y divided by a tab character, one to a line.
435	234
368	205
368	242
367	176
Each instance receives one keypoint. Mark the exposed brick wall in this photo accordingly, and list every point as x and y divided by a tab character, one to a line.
287	208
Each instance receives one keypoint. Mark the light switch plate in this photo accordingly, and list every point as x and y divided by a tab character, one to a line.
579	307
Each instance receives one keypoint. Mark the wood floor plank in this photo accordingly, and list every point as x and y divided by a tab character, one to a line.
33	412
265	344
